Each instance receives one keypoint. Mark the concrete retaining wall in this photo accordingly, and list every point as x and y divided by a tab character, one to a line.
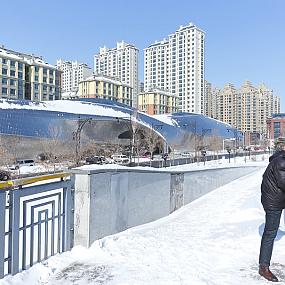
109	201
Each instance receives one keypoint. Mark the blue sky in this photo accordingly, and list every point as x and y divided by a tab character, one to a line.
245	39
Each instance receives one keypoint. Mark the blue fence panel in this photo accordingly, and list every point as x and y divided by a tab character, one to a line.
2	231
35	224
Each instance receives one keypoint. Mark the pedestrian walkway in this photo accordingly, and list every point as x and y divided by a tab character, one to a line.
214	240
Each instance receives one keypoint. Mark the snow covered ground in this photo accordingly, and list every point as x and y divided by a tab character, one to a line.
213	240
221	163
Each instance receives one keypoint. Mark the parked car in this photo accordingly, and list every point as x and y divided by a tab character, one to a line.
22	162
94	159
120	158
4	175
186	153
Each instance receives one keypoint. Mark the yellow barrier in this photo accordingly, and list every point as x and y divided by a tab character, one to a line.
30	180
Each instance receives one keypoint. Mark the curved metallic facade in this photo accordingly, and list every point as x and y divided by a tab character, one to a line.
109	119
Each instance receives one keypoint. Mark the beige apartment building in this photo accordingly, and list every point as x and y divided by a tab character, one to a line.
105	87
246	108
210	98
157	101
28	77
120	62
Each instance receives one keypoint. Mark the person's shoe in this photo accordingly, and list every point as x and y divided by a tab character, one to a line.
265	272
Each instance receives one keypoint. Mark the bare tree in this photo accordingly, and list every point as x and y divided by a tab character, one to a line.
134	132
89	148
215	144
151	141
53	147
13	148
4	155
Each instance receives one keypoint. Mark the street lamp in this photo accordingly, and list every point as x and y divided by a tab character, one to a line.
203	152
229	152
204	132
77	137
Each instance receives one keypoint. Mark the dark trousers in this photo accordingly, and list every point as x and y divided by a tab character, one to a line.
272	221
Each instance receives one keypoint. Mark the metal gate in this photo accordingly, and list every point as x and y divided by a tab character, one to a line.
35	222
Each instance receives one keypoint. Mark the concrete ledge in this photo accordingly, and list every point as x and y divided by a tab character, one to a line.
108	201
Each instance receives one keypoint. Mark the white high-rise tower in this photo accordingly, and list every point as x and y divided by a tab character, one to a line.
72	73
120	62
176	64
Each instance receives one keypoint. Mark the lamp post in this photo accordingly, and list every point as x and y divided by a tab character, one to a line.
77	137
203	152
229	152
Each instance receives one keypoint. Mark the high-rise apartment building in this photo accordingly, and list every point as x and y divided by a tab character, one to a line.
246	108
72	73
176	64
210	100
24	76
120	62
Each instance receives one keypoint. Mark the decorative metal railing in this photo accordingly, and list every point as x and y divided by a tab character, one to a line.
36	217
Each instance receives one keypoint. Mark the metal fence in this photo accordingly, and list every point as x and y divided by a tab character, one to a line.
35	221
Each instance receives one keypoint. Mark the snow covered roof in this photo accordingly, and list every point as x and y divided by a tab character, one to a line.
29	59
16	118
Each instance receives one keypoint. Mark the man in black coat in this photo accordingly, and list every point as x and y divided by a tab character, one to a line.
273	202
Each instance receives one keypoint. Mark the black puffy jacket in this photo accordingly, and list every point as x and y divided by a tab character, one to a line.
273	184
277	153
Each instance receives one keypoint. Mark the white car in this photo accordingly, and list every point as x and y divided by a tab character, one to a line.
120	158
186	153
22	162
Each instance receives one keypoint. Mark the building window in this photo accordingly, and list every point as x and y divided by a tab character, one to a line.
4	71
276	129
12	73
4	81
12	92
4	91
